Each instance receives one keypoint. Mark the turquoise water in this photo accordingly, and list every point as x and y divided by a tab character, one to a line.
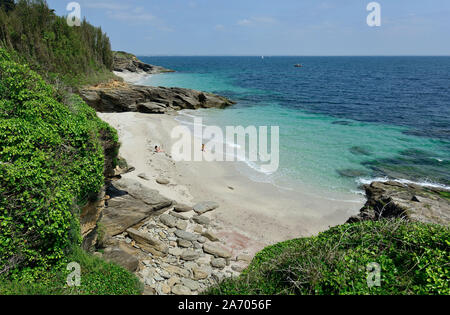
372	119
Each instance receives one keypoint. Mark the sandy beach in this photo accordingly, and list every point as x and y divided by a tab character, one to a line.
251	215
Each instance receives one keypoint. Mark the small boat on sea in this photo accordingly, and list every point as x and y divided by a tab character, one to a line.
298	65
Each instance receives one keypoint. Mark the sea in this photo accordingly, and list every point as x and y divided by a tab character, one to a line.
343	121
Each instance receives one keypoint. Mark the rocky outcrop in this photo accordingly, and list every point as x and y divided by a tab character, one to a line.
127	62
148	99
412	202
129	204
162	242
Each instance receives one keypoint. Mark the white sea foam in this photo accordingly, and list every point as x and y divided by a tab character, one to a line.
366	181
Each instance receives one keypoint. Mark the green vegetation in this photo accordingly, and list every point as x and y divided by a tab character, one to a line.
414	259
51	162
54	151
123	54
445	194
60	53
97	277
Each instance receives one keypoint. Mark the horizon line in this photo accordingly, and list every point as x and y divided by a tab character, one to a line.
268	56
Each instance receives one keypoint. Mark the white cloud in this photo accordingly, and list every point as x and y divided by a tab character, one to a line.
127	13
219	27
256	21
105	5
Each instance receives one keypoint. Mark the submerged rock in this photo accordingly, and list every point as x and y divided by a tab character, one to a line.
352	173
359	151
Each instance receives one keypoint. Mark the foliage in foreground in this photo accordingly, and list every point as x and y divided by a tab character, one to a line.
414	259
51	162
76	55
97	277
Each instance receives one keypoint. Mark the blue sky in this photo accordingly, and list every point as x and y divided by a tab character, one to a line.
269	27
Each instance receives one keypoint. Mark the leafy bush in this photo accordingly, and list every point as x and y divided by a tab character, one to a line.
51	162
97	277
414	259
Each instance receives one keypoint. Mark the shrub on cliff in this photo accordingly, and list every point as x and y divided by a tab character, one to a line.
51	162
414	259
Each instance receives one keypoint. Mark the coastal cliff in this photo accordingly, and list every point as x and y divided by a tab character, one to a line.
123	61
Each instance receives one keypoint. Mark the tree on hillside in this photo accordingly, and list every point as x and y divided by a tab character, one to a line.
7	5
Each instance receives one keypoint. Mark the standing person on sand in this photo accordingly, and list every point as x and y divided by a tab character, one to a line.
203	148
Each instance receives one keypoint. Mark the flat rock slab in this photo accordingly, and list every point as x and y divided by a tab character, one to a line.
145	239
124	212
168	220
205	206
121	258
211	236
137	190
188	236
189	255
216	250
130	204
201	219
181	290
178	216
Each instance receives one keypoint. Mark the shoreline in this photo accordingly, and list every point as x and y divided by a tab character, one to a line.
251	215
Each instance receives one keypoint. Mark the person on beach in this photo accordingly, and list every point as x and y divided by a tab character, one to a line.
158	149
203	148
